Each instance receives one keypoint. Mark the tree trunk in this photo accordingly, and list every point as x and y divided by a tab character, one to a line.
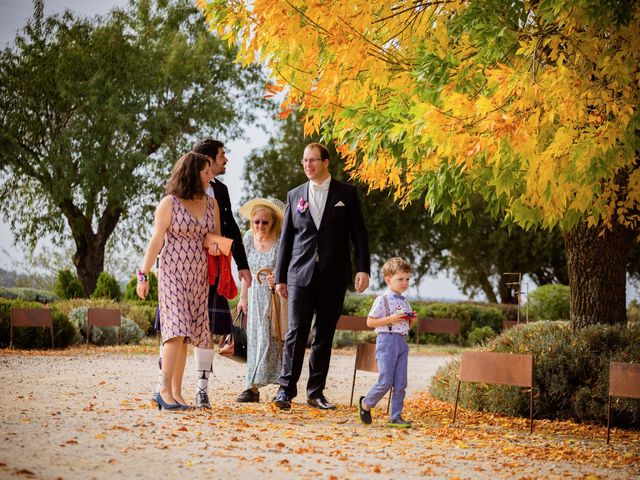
597	274
89	256
487	289
89	262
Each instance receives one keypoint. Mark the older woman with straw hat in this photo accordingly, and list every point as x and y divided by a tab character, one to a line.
261	242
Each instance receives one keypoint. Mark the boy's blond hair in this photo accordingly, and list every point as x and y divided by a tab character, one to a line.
395	265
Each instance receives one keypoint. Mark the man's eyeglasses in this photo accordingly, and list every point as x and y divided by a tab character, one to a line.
263	222
304	161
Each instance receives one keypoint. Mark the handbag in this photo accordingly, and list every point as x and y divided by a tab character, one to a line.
223	243
278	311
234	345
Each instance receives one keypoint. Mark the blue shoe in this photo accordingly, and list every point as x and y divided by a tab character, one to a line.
184	407
167	406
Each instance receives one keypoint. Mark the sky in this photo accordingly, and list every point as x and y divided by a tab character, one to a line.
13	16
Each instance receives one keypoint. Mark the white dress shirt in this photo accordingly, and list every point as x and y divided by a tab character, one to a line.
318	199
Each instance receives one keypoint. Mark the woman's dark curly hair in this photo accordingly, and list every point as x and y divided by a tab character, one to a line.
185	177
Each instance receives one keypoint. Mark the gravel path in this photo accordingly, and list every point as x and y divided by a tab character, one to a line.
87	415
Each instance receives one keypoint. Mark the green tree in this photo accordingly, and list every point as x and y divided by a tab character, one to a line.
275	169
549	302
107	287
68	285
94	113
477	255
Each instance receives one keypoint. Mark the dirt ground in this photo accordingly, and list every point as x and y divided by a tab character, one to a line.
86	413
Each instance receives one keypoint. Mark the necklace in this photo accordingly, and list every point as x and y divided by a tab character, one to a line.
263	242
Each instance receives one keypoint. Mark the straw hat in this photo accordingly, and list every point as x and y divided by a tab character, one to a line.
273	203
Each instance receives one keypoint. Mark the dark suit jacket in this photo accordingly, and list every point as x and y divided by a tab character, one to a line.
229	227
341	222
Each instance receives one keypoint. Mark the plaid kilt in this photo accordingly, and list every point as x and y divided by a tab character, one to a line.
220	321
156	324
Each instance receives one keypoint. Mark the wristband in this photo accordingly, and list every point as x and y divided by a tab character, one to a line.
142	277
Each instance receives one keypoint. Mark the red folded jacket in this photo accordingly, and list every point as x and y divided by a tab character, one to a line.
219	267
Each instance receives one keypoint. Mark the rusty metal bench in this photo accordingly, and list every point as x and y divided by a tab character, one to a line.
31	317
449	326
365	352
102	317
497	369
624	381
352	323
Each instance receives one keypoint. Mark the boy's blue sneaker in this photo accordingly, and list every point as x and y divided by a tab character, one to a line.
398	423
365	415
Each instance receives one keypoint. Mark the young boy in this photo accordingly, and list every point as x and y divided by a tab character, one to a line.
392	316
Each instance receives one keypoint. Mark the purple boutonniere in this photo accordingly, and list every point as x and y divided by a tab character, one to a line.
302	206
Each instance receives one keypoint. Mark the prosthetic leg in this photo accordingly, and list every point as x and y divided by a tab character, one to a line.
204	366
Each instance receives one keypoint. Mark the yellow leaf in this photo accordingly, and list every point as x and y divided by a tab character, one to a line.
483	105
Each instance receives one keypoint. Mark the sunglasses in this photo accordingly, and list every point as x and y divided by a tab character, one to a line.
263	222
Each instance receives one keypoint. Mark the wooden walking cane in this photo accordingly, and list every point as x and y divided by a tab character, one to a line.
274	302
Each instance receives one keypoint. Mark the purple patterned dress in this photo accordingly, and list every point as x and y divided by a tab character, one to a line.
182	277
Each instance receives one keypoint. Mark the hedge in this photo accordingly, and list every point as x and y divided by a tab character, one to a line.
68	285
34	337
549	302
28	295
141	313
127	333
107	287
472	317
357	305
509	310
571	374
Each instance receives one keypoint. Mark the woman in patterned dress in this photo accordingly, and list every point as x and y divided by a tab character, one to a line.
261	242
183	218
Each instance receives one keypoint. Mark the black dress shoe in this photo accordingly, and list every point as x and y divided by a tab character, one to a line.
282	400
248	396
365	415
321	403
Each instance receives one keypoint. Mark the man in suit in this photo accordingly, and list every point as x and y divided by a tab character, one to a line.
322	218
226	226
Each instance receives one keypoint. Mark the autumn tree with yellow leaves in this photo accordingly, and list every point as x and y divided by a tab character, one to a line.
531	104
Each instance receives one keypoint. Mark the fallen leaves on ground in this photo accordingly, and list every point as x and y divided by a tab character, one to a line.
487	441
551	439
148	346
112	412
